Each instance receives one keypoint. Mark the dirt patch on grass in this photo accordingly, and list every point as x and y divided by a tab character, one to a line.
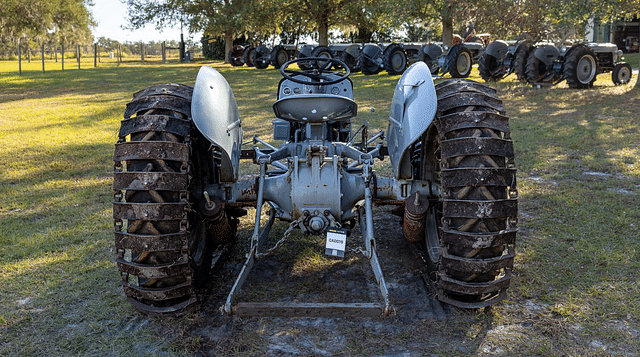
421	325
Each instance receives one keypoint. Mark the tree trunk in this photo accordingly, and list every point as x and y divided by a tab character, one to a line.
323	30
228	43
447	25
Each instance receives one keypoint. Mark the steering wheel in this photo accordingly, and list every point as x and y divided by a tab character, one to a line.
319	71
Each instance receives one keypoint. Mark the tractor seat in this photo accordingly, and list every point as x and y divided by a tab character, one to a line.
315	108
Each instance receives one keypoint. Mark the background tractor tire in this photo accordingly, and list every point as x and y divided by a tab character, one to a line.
303	52
261	57
323	52
350	57
621	74
459	62
490	68
370	59
395	59
247	56
279	56
165	247
580	67
520	61
537	72
470	154
235	56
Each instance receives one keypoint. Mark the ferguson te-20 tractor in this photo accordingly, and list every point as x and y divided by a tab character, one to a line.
178	193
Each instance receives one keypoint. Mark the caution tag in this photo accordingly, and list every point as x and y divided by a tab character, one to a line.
336	242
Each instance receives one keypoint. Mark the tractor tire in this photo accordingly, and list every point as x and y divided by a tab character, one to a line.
261	57
369	58
303	52
459	62
395	59
347	56
537	72
165	247
470	230
323	52
580	67
235	56
621	73
248	55
490	68
520	61
279	56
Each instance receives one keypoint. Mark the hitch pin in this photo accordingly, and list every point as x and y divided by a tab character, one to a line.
209	204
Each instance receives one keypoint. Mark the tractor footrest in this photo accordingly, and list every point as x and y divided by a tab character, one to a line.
309	309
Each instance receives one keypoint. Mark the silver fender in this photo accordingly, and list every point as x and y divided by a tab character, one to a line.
547	54
412	111
498	49
215	113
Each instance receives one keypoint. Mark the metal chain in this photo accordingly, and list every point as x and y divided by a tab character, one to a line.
357	250
285	236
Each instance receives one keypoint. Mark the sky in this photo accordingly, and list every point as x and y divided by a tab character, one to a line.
112	14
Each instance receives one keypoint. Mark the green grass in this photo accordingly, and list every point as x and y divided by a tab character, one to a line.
579	190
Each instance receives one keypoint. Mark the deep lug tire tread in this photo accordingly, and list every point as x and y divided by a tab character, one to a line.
154	211
479	196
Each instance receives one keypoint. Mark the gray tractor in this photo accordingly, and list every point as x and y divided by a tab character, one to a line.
500	59
578	65
178	193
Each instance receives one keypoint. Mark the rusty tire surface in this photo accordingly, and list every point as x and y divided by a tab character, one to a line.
478	196
164	249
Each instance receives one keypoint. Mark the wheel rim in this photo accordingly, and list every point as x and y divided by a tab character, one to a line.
586	69
624	75
282	57
464	63
397	61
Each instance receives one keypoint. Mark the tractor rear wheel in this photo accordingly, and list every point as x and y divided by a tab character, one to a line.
395	59
470	231
261	57
520	60
459	61
322	52
247	56
279	56
538	72
490	68
165	247
621	73
580	67
350	60
235	56
370	59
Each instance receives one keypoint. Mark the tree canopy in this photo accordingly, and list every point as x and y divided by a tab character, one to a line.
62	20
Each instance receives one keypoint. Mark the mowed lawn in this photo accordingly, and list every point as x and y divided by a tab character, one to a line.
576	289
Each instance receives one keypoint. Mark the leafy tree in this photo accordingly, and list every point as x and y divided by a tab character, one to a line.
38	19
214	17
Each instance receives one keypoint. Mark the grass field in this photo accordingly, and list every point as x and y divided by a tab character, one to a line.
576	289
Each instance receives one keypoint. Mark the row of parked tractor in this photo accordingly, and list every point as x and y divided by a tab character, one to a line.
538	63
